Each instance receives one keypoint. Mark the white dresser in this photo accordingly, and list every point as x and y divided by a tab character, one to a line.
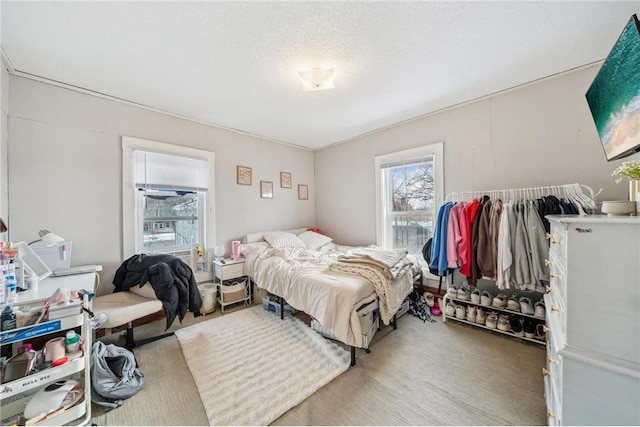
593	318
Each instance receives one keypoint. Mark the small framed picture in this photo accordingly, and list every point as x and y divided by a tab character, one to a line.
244	175
266	189
303	192
285	179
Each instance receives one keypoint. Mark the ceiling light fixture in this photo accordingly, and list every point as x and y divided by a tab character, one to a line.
316	78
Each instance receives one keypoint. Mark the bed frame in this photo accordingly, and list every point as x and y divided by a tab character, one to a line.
366	337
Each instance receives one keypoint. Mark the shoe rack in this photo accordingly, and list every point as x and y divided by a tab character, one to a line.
489	309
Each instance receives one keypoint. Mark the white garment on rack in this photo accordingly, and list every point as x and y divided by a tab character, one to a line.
505	258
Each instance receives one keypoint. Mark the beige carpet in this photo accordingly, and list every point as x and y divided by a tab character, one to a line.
250	367
419	374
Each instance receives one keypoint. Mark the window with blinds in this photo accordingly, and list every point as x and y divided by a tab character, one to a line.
170	200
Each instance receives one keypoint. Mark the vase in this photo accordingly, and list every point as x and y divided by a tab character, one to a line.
634	193
634	190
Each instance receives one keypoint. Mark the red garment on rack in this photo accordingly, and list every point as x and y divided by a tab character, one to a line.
470	211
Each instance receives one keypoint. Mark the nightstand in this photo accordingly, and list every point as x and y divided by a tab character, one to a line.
232	284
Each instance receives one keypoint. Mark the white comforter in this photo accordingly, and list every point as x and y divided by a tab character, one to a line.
303	278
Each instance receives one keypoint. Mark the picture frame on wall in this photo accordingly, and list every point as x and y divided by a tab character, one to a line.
243	174
266	189
303	192
285	179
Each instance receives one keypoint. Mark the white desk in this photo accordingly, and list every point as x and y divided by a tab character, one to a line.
49	285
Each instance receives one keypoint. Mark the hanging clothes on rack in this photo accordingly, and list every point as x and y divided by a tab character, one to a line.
501	235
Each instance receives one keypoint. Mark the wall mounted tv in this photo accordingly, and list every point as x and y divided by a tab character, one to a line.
614	95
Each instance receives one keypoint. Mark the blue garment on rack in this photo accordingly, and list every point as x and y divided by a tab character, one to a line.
439	246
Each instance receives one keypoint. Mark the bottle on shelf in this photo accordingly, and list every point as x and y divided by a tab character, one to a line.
8	319
200	265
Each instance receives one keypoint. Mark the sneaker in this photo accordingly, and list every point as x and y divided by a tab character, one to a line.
492	321
503	322
485	299
471	313
450	310
499	300
475	296
460	312
452	291
541	331
526	307
529	328
463	294
429	298
516	326
513	304
435	310
481	316
539	310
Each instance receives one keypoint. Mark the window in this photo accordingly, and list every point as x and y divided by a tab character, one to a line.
167	198
409	187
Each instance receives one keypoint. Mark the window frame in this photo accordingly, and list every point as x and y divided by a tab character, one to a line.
131	218
436	150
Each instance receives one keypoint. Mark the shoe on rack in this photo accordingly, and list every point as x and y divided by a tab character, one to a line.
435	310
452	291
529	328
463	294
539	310
541	331
503	322
460	312
516	325
471	313
526	306
500	301
492	321
450	310
485	299
481	316
475	296
513	304
429	298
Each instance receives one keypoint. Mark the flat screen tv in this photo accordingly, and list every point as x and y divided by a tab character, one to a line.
614	95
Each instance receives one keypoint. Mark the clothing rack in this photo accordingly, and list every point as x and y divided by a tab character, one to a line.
564	190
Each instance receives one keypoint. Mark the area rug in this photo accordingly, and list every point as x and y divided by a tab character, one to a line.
250	366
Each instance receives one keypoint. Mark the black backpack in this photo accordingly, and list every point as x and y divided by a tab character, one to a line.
426	254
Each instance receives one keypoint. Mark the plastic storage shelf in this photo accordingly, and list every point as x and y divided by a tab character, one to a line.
15	395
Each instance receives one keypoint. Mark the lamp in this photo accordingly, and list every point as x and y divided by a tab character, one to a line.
49	238
219	251
316	78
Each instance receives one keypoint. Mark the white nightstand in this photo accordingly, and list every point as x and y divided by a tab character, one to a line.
223	272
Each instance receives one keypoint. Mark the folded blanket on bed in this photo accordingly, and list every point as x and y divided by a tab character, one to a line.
390	297
393	263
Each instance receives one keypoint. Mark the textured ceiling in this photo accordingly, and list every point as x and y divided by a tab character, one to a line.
233	64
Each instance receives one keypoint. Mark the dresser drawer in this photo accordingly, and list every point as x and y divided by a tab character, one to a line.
556	319
230	271
554	369
558	241
553	407
557	280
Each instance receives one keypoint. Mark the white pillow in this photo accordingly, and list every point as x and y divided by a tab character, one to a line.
247	248
280	239
314	240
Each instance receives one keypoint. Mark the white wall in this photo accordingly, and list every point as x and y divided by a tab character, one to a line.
65	171
539	134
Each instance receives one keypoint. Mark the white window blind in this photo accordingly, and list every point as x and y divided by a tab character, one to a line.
408	162
165	171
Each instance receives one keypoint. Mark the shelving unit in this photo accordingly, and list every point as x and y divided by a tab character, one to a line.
15	395
222	274
489	309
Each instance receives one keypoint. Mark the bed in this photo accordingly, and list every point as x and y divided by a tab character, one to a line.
346	290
